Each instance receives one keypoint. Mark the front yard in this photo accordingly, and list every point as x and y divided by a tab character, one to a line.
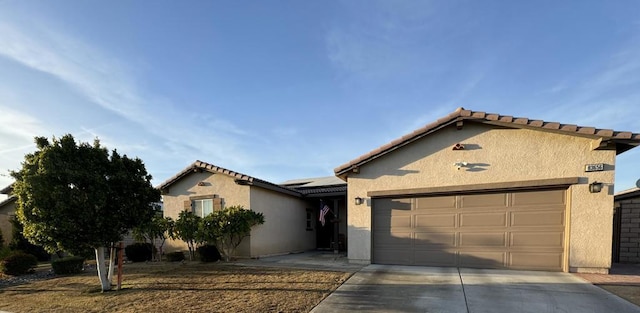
176	287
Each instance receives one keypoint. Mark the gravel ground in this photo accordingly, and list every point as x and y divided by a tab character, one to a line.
6	281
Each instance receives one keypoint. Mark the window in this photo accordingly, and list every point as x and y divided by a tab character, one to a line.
203	207
310	219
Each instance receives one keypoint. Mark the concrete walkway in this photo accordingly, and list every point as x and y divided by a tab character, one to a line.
387	288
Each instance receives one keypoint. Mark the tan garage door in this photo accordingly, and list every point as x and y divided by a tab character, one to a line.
518	230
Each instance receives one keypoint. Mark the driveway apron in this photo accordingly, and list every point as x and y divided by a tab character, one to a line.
391	288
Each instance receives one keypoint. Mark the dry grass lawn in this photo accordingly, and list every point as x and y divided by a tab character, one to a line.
176	287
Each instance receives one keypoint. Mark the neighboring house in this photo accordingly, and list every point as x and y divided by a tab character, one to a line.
626	227
7	212
290	211
474	189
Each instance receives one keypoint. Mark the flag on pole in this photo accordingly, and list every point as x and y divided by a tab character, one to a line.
323	212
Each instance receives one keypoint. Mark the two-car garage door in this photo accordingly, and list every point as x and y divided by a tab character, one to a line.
517	230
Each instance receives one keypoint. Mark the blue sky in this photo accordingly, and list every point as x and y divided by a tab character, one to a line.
289	89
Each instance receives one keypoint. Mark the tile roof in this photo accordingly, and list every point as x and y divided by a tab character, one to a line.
240	178
625	194
621	141
8	200
7	190
324	190
313	182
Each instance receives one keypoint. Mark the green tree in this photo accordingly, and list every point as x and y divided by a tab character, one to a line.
187	229
158	228
77	196
227	227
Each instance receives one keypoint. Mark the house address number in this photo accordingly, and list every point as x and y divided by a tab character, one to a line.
594	167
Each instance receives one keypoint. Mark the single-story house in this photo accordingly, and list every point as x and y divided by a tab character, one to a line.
474	189
626	227
7	212
291	209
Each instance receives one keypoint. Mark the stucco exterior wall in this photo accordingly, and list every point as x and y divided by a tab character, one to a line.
495	155
7	211
284	229
214	184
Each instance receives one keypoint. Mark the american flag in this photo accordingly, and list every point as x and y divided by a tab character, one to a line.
323	212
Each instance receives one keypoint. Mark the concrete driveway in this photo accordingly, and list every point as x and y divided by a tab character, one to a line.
390	288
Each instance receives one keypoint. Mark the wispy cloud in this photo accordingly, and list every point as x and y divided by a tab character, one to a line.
107	82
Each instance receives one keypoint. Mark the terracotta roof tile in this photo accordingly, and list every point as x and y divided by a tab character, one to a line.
625	140
536	123
605	132
587	130
569	127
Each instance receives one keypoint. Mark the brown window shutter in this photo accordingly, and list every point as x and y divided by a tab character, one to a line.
187	205
217	204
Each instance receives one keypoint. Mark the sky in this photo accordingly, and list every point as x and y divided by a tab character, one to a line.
289	89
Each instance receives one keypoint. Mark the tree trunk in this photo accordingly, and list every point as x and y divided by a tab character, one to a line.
112	258
102	270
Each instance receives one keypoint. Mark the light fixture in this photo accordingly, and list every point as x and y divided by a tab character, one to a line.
595	187
359	200
201	183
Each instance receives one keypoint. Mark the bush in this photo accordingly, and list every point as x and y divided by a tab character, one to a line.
4	252
18	263
20	243
208	253
70	265
175	256
139	252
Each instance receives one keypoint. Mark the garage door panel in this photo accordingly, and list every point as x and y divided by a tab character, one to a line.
539	197
384	206
393	238
482	259
438	240
483	240
427	203
519	230
435	220
537	239
483	219
537	218
484	200
435	257
541	260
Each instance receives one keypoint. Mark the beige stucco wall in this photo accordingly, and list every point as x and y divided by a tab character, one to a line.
284	229
218	184
500	155
6	213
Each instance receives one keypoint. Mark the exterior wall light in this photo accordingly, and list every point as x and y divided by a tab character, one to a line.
595	187
359	200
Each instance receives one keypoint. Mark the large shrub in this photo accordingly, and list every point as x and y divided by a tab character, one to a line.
4	252
139	252
175	256
18	263
20	243
66	266
208	253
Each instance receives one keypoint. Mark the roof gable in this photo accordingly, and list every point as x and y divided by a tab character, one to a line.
240	179
603	138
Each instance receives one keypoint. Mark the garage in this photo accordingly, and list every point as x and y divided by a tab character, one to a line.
506	229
